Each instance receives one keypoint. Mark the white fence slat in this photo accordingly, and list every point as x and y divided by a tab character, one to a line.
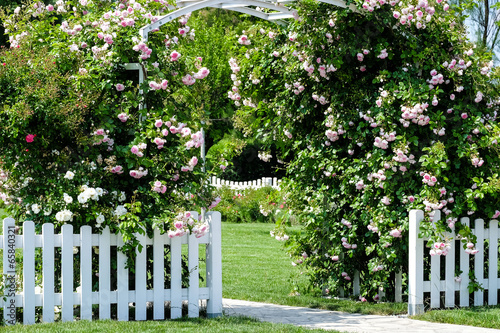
398	297
479	261
464	267
48	272
449	296
122	283
158	276
175	278
435	271
29	273
194	277
67	272
214	266
9	271
104	274
86	272
355	284
416	265
493	267
140	281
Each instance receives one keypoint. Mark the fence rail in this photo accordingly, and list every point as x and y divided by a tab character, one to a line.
85	297
448	283
263	182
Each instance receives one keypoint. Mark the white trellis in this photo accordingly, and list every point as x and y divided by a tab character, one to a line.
276	12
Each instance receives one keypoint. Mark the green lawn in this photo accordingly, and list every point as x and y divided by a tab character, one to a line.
255	268
480	316
223	324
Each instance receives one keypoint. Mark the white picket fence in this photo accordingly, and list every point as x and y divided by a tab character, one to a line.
418	284
263	182
85	297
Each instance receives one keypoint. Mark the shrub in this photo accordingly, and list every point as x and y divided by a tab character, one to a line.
378	111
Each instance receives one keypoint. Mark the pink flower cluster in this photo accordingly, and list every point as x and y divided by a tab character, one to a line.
415	114
346	223
470	249
157	86
106	139
477	161
346	245
184	224
396	233
196	140
137	149
243	40
138	173
118	169
159	187
191	164
123	117
346	276
440	249
145	51
214	203
372	227
428	179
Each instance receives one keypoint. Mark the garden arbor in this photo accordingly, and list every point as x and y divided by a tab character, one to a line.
276	12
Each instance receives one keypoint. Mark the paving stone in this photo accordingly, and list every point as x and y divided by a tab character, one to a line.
340	321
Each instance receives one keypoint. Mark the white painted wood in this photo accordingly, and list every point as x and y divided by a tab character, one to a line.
84	294
158	276
214	266
435	271
29	273
398	297
355	284
140	281
9	271
449	296
479	261
464	267
122	283
416	265
194	277
48	272
493	266
104	274
67	272
86	272
175	278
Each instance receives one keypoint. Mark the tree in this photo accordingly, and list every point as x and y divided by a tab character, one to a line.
483	22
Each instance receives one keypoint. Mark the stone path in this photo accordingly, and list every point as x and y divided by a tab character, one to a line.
344	322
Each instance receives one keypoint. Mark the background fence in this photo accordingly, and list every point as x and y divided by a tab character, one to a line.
449	275
263	182
85	297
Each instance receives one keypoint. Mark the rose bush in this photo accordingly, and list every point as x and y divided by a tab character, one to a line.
377	112
81	141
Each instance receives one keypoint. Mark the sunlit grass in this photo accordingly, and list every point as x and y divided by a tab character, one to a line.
480	316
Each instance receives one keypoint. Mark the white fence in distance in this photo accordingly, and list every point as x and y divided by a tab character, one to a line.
28	299
417	284
259	183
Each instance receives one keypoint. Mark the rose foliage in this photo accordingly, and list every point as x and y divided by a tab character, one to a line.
377	112
81	141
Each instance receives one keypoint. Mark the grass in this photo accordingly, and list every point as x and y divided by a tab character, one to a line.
255	268
222	324
480	316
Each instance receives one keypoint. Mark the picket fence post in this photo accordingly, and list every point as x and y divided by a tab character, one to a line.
214	266
416	265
